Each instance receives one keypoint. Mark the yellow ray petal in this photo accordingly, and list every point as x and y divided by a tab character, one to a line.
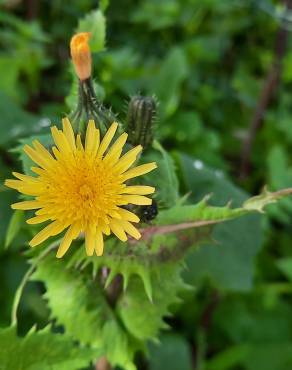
69	133
37	219
104	228
116	149
139	190
38	170
114	214
43	151
107	139
36	157
60	140
130	229
52	229
139	200
26	178
70	235
57	153
24	188
14	184
128	216
90	235
99	243
92	138
118	230
105	219
127	159
27	205
79	142
139	170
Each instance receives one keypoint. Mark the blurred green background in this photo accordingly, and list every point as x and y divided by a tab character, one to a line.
222	73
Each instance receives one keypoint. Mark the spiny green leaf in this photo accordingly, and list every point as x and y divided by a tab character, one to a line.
87	315
202	214
41	350
143	318
119	258
142	314
79	304
141	260
259	202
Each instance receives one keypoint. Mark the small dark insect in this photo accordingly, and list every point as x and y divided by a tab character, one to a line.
148	213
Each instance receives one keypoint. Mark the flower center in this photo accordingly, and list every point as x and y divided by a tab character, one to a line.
86	192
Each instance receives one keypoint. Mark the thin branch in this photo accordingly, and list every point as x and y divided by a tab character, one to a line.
32	9
150	231
103	364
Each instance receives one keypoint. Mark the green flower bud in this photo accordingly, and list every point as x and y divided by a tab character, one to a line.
141	115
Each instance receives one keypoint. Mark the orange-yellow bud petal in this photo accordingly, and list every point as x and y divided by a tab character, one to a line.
81	56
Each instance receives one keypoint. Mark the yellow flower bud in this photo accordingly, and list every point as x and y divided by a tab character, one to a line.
81	56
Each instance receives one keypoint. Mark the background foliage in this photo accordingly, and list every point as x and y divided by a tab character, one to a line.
208	62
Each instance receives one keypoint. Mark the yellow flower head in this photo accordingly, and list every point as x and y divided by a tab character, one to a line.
82	188
81	56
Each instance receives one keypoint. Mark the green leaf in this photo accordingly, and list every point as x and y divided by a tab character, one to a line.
237	242
173	71
202	214
11	66
6	199
116	258
285	266
254	356
261	333
85	313
269	356
164	177
94	23
247	319
144	318
151	281
104	4
228	358
15	122
41	350
172	353
14	226
157	14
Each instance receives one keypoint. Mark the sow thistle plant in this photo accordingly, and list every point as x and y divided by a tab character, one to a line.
128	230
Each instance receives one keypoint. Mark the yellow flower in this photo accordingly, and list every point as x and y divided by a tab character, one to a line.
81	56
82	188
